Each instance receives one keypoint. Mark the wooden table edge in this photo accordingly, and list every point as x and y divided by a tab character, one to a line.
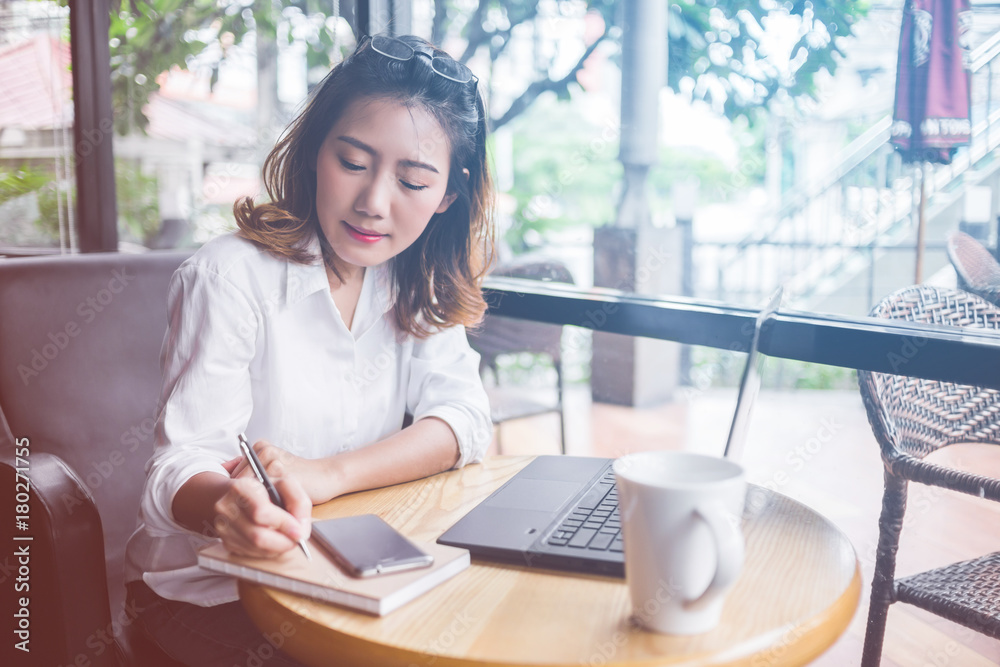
803	644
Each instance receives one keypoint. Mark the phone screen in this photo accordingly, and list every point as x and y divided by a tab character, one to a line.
365	545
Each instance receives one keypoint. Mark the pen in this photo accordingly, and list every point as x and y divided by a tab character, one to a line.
262	477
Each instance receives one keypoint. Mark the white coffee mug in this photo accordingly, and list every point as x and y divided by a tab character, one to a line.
682	530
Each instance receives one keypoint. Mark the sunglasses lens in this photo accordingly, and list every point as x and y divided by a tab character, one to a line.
451	69
392	48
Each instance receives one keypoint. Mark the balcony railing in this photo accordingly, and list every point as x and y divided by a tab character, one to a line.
965	356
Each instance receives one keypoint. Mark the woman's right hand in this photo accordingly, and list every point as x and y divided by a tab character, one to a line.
250	525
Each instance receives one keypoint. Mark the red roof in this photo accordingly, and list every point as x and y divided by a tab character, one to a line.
36	85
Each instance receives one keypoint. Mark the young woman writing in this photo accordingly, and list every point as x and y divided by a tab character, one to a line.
338	308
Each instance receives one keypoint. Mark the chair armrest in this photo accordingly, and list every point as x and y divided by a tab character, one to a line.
61	568
933	474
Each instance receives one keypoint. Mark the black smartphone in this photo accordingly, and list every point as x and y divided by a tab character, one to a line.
365	545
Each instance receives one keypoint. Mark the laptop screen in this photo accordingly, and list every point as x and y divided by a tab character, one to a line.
749	383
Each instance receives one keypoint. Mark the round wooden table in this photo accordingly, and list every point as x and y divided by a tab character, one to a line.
797	593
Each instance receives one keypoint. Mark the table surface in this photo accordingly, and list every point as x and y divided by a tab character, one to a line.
797	593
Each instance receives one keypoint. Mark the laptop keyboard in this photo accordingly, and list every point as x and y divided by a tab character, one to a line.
594	524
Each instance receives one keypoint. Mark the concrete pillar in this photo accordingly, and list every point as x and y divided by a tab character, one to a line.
633	255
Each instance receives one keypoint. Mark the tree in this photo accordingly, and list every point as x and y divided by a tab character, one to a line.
718	49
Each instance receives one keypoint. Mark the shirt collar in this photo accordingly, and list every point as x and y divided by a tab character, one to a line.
306	279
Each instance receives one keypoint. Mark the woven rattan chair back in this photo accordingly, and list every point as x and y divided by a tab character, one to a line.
915	416
978	271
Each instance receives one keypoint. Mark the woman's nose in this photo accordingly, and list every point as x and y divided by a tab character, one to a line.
373	200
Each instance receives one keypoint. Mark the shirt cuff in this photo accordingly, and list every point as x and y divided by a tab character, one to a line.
165	480
474	432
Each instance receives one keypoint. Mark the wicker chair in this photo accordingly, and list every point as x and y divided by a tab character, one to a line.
978	271
504	335
911	418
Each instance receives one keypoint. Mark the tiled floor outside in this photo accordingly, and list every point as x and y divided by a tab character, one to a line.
817	447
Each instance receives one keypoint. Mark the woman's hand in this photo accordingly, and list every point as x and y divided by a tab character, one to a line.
315	476
250	525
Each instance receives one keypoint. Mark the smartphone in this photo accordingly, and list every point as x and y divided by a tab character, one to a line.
365	545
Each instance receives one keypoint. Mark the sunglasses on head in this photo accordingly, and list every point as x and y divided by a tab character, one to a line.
396	49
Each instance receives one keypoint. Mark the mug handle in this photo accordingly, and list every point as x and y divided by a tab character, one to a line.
729	549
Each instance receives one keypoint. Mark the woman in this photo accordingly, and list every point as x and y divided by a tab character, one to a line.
338	308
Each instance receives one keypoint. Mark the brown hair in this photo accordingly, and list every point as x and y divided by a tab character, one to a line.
438	278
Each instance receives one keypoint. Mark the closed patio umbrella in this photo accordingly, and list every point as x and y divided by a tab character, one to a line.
931	115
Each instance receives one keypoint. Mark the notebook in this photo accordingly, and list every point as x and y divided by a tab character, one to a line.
323	580
561	512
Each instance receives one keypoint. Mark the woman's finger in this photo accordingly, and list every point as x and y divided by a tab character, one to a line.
249	523
232	466
297	504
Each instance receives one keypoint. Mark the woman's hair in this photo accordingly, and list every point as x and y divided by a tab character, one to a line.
437	279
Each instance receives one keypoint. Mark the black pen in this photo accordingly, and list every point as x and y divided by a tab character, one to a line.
262	477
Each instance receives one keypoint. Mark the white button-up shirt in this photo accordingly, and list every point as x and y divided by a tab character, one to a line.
256	344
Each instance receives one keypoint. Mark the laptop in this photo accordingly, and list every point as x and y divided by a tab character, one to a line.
561	512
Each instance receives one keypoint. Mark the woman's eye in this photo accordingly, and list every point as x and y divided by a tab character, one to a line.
411	186
350	166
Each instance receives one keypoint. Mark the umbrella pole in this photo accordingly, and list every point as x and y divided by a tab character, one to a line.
920	225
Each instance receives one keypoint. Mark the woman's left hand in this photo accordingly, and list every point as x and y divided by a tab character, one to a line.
309	473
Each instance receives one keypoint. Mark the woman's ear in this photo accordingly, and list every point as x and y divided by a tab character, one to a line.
449	198
446	201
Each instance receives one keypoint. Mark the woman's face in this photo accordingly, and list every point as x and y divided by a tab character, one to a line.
381	173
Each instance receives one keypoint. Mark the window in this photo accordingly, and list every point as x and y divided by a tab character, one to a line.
37	181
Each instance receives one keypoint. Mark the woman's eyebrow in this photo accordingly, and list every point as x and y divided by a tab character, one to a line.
360	145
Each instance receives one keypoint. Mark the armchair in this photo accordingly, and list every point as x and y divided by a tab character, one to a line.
912	418
80	337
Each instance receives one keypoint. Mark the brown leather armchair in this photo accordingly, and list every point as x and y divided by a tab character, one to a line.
80	338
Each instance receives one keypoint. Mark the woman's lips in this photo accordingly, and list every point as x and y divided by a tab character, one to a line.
362	235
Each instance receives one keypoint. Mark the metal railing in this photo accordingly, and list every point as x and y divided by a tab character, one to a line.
837	228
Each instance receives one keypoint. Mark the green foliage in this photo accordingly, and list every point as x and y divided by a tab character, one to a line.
40	181
802	375
715	46
712	367
48	209
138	205
682	164
717	51
148	37
21	181
564	168
138	210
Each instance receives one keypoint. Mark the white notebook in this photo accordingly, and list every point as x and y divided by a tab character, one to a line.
321	579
